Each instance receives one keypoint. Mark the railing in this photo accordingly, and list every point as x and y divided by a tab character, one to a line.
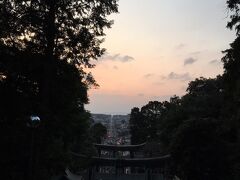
99	176
157	177
102	176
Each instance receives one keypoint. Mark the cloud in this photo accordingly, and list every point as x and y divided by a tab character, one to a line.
184	88
189	61
175	76
115	67
160	98
180	46
140	94
117	57
163	77
148	75
181	77
196	53
215	61
158	83
126	58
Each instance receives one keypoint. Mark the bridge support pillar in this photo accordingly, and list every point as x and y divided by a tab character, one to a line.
90	173
99	152
131	154
114	154
148	174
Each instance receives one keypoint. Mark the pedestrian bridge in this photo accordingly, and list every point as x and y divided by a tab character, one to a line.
122	168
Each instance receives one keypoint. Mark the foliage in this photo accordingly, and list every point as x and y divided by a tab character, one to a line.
233	6
43	48
137	127
231	75
192	130
199	152
63	122
68	29
98	131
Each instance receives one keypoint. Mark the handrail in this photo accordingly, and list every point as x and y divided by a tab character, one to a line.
119	147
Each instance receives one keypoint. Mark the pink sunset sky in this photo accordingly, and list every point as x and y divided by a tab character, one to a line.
154	49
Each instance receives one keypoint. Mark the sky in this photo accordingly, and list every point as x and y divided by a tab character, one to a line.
155	48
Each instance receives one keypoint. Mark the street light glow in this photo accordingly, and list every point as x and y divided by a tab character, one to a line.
34	118
34	121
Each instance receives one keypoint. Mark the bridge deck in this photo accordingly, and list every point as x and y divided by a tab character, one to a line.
128	162
119	147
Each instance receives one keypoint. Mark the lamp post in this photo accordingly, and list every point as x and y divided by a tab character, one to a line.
33	123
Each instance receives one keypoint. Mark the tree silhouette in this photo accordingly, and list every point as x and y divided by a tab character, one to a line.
68	29
192	130
199	152
98	131
137	127
231	75
44	46
63	124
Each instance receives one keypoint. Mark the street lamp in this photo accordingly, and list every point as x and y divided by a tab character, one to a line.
34	121
33	124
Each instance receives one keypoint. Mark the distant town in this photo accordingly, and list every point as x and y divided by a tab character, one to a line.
117	128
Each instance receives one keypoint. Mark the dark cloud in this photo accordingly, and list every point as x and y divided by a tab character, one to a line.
181	77
148	75
180	46
189	61
215	61
117	57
